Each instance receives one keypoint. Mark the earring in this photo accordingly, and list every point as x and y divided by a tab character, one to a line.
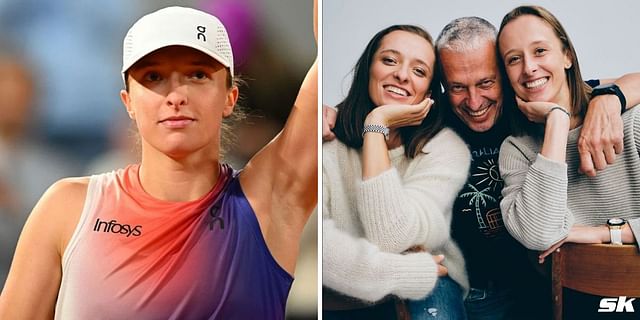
568	66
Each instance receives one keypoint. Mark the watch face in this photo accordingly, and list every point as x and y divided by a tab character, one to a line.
615	222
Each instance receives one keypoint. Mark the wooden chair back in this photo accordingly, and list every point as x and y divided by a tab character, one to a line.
597	269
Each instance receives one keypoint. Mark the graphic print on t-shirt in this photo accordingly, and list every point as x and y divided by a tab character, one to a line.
482	194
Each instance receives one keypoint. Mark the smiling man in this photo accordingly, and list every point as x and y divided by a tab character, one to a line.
504	282
473	83
497	265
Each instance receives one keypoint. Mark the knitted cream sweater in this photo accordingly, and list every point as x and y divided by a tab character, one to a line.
407	205
544	198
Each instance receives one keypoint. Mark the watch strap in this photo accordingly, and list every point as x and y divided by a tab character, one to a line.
616	235
611	88
377	128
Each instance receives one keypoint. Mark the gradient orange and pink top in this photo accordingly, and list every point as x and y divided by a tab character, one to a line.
136	257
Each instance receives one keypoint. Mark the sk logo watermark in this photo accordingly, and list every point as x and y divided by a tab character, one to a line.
620	304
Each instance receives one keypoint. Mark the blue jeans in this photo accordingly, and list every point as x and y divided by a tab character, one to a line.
491	303
445	302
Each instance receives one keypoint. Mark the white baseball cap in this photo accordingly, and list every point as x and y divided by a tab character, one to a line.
177	26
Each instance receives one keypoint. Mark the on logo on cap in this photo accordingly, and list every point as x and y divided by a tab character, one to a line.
201	30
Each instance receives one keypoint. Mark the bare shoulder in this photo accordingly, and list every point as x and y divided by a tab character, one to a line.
62	197
32	285
61	204
67	191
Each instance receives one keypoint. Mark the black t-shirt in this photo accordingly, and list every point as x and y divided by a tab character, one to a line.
490	253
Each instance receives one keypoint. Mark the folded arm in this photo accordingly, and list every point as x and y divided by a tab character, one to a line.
594	235
398	212
357	268
534	204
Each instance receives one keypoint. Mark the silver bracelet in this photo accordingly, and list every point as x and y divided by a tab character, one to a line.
378	128
557	108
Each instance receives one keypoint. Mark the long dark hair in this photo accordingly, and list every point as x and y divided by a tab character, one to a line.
357	105
580	92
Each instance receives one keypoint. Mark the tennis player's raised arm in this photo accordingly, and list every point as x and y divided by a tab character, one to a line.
285	170
281	180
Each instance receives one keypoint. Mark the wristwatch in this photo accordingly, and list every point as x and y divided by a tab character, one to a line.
611	88
377	128
615	229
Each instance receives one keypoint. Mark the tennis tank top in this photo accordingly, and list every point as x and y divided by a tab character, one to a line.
132	256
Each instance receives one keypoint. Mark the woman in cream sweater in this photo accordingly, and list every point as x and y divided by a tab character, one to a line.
389	182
